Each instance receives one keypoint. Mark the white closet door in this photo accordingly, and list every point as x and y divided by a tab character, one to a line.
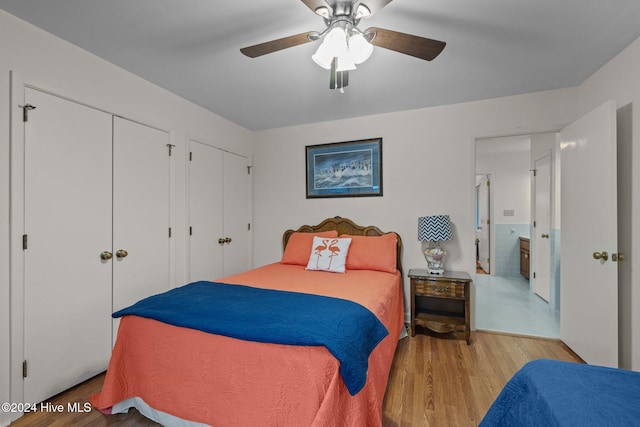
236	213
205	212
67	286
141	212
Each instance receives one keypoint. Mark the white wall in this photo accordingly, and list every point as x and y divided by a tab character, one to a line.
54	64
619	80
419	146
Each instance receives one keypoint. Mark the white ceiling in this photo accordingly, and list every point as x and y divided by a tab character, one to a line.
191	47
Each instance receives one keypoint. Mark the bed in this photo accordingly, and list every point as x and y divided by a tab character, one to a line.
178	375
555	393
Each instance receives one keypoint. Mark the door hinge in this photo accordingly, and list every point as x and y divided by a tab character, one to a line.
24	369
171	147
190	156
249	226
488	183
534	224
169	232
25	111
190	231
248	170
488	222
535	172
24	242
534	274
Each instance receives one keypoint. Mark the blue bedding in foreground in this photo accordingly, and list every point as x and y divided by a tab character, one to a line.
348	330
554	393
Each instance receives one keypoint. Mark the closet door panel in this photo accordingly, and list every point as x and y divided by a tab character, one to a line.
67	205
236	213
141	212
205	212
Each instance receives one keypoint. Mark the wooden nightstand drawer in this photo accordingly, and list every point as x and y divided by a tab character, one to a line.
439	289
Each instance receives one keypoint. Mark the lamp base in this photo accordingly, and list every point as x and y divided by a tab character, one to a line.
435	257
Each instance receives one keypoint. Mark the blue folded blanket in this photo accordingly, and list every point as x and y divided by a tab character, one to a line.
348	330
553	393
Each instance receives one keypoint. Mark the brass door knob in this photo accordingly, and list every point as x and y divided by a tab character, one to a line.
121	253
601	255
106	255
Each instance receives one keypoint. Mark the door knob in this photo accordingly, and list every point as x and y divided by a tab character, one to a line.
221	241
106	255
601	255
545	236
121	253
227	239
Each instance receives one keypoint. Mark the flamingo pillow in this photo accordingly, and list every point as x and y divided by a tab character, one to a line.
329	254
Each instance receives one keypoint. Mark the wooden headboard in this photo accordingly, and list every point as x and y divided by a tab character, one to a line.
346	226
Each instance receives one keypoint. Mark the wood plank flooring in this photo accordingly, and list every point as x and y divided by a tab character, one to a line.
434	381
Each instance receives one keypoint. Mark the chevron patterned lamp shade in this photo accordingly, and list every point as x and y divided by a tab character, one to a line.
434	229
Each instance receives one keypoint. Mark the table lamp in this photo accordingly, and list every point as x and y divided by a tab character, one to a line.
434	229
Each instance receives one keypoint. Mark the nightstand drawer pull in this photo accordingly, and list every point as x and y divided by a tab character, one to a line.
440	289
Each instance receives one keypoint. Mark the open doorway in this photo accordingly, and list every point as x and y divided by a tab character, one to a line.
505	299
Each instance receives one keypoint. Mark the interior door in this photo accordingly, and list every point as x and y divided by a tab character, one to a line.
589	287
141	212
542	231
67	217
236	213
205	212
484	197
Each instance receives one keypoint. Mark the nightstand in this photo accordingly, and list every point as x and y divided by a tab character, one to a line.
441	302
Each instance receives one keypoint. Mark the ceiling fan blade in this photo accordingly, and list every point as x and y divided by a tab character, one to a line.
276	45
374	5
408	44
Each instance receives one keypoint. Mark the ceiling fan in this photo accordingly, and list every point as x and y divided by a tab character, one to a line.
344	45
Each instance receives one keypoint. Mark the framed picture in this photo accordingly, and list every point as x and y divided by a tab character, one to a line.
345	169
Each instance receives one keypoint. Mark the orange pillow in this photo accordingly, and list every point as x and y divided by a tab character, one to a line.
299	247
372	253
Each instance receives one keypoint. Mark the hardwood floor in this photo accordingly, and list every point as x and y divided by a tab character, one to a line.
443	382
434	381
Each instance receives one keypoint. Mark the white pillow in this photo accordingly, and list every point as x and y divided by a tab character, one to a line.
329	254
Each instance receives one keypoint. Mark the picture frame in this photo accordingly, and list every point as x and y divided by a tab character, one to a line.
344	169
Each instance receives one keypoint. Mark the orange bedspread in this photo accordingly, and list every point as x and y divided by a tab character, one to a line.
227	382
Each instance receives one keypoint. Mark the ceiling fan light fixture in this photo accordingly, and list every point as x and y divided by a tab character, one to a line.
360	48
323	11
345	62
362	11
322	58
333	45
